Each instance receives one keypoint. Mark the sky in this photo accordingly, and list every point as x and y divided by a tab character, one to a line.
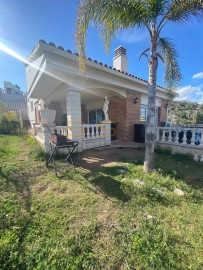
24	22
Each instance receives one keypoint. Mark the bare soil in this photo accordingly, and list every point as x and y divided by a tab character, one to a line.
93	159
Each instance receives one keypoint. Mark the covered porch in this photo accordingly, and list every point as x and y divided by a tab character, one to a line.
79	112
79	115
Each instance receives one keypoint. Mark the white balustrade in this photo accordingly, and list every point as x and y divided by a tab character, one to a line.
92	131
170	137
201	139
190	136
176	135
163	135
193	136
184	136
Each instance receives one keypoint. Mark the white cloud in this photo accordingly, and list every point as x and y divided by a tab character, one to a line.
198	75
132	35
191	93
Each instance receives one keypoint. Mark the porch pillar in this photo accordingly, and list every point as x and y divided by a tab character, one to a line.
73	103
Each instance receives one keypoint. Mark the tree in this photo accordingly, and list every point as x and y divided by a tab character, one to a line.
183	112
9	124
111	16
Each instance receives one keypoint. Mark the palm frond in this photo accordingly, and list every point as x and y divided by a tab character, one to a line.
156	8
182	10
144	53
172	73
160	57
110	16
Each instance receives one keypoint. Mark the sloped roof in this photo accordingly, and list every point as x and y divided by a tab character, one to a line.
94	61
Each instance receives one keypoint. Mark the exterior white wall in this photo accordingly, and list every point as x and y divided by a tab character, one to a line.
31	72
144	101
31	110
94	105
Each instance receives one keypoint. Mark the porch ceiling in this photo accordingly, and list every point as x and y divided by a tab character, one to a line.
52	84
92	94
44	87
87	95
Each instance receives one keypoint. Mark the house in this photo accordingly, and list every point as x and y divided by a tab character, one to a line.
12	97
56	85
15	100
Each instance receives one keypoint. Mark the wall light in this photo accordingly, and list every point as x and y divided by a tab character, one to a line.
135	100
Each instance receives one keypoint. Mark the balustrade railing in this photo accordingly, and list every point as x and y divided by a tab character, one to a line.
92	131
185	136
88	131
92	135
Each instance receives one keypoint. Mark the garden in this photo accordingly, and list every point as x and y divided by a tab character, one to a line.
109	214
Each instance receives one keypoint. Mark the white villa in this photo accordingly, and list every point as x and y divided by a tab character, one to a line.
74	101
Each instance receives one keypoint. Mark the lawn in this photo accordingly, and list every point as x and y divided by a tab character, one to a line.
108	215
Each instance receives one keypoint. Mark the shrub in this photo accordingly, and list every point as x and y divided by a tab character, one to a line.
9	125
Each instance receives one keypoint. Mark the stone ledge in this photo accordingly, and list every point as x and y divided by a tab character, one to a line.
179	148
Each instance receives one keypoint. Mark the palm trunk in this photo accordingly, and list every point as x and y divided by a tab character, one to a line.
151	114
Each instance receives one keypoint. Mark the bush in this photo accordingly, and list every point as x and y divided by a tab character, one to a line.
9	126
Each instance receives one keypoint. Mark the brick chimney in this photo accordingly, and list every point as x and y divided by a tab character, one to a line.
120	60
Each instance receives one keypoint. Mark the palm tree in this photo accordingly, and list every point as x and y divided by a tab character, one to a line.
111	16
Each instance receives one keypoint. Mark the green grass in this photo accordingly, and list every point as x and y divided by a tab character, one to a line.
96	219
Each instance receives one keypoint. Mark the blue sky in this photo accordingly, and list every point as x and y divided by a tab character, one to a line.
24	22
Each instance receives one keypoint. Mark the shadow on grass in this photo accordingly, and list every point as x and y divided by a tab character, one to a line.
111	187
104	181
104	185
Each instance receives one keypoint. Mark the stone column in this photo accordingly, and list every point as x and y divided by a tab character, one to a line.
43	135
107	131
73	103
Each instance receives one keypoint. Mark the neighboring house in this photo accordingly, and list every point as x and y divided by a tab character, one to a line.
12	97
15	100
55	81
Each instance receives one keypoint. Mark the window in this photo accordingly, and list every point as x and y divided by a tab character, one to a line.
143	113
8	90
100	116
96	116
